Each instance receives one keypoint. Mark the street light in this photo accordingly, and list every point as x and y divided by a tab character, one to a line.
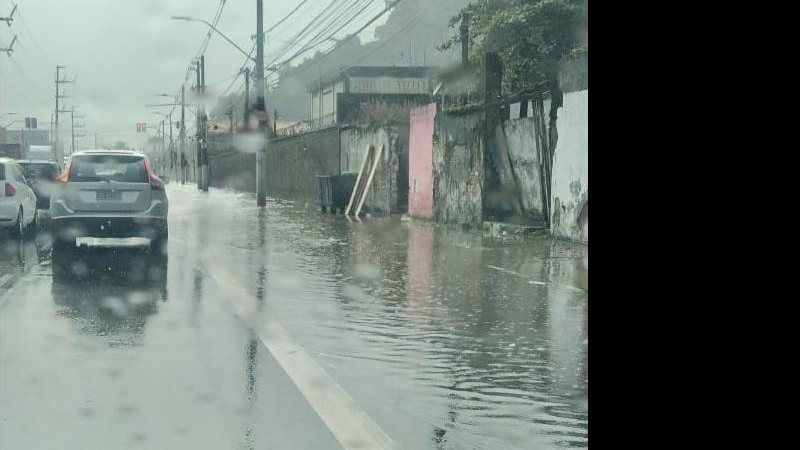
192	19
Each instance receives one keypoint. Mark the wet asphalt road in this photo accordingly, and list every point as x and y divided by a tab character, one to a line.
285	328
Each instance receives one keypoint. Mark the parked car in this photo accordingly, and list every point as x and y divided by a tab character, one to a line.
42	176
18	212
109	194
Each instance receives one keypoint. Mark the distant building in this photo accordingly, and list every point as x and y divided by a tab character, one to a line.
340	98
25	137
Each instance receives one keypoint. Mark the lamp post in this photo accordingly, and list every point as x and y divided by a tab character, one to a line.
259	80
192	19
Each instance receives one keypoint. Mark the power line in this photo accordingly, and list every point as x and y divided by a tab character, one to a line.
340	43
339	20
301	34
340	14
286	17
207	39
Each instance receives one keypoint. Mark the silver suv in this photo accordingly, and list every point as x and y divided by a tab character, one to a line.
109	194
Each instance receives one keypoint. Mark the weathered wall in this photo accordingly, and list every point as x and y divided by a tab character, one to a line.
293	163
420	162
570	214
229	167
389	190
525	161
368	109
458	169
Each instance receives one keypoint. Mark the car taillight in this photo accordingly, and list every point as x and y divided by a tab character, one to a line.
10	190
155	183
65	174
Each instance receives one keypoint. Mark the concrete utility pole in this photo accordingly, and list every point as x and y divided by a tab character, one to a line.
183	134
260	107
202	130
163	144
200	126
80	125
246	96
171	144
59	96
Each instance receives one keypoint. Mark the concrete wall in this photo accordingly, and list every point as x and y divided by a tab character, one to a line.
389	190
229	167
570	214
293	163
420	162
458	169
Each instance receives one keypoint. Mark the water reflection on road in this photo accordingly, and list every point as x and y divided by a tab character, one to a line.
446	338
109	293
482	342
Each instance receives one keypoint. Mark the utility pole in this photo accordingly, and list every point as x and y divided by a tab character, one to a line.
261	156
59	96
80	125
171	144
72	130
183	134
163	143
246	96
202	131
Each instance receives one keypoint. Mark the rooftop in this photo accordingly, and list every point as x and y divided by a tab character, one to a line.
373	72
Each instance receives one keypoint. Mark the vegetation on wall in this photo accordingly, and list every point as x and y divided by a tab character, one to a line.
532	37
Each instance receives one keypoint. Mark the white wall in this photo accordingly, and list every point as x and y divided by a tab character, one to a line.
570	192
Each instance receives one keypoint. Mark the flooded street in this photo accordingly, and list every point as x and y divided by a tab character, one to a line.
263	327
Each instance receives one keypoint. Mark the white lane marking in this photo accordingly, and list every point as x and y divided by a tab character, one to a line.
348	423
5	280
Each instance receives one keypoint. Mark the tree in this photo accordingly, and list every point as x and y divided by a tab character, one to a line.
530	36
119	145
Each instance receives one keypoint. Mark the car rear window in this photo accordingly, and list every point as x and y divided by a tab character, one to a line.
43	171
120	168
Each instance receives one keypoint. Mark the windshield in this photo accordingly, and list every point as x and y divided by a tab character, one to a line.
294	224
39	171
128	169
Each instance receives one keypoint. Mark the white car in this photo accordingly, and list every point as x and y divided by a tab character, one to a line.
17	200
106	194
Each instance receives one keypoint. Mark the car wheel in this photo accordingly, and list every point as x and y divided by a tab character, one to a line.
32	227
19	229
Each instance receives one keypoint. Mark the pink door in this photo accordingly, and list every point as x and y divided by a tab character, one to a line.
420	162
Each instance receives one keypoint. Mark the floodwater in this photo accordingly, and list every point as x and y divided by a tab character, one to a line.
443	338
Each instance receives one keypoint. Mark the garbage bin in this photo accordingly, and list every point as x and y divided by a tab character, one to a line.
326	183
343	189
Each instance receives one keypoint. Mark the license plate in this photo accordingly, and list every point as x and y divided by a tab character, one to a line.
108	195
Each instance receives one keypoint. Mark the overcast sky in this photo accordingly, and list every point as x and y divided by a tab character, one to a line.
126	51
